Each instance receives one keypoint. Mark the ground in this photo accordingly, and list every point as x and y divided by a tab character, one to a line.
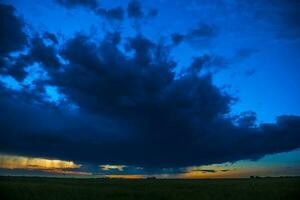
30	188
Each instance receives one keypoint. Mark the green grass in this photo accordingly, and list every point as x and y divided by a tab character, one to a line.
25	188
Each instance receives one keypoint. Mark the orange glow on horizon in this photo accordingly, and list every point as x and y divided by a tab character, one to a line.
46	165
68	172
22	162
129	176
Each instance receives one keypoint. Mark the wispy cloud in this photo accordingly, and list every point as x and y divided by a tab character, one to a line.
112	167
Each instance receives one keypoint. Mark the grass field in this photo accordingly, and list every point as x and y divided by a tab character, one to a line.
25	188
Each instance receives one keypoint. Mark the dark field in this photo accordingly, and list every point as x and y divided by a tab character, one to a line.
12	188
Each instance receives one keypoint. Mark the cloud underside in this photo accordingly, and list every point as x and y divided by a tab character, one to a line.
131	107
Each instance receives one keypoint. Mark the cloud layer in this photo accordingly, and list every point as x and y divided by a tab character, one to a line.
124	103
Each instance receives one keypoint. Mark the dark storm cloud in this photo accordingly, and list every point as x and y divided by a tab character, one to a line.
201	35
116	13
112	14
177	38
14	39
134	9
52	37
132	107
211	63
38	52
12	36
246	119
133	111
42	53
203	31
75	3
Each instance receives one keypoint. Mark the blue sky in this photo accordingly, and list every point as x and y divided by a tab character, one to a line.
252	54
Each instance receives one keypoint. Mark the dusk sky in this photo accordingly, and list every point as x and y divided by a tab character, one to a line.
165	88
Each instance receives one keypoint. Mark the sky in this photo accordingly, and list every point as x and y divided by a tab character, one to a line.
165	88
